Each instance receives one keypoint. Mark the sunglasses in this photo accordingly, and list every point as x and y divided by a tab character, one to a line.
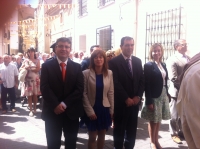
111	55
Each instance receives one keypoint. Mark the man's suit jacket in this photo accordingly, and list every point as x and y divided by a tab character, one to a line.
85	64
175	67
55	91
90	91
153	81
125	85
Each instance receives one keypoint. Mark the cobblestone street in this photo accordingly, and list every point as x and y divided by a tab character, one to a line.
19	131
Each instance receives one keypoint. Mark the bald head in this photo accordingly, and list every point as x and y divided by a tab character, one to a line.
6	59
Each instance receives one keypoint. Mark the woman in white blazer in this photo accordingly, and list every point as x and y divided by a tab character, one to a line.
98	99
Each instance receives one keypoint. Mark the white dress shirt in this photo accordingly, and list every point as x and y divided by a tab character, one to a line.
183	57
59	61
8	74
130	60
162	70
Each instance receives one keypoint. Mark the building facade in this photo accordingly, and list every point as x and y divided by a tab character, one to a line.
104	22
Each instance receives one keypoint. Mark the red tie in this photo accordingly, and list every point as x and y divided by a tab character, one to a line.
63	70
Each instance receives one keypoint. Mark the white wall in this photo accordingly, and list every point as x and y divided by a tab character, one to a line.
121	21
14	40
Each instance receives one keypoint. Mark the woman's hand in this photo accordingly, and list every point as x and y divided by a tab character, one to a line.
27	67
93	117
150	107
169	97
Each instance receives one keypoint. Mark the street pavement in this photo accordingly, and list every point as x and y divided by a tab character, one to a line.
19	131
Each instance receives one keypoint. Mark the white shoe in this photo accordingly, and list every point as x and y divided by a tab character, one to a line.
31	114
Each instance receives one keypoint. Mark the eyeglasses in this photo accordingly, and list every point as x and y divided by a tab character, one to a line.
110	56
183	45
62	46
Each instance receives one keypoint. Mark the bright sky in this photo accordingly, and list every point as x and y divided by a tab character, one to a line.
33	3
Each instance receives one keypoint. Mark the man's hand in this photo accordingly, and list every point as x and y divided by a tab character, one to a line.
93	117
59	109
129	102
16	85
169	97
1	81
150	107
136	100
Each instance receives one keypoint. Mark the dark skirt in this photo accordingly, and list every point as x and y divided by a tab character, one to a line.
102	122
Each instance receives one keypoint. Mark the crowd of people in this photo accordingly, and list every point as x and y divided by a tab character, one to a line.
105	88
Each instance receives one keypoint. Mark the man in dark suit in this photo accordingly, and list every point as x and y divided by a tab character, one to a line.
128	89
62	90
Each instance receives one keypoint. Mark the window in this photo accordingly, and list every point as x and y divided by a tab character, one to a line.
82	7
104	37
101	3
164	27
82	43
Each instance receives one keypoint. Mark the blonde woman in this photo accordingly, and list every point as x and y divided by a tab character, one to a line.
98	99
156	93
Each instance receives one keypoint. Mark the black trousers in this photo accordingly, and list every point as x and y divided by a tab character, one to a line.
54	127
125	127
12	96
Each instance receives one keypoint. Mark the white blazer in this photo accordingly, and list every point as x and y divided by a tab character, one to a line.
90	91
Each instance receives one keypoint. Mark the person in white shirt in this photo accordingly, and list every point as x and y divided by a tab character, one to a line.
1	61
9	80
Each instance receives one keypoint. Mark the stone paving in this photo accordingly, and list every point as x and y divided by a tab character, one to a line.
19	131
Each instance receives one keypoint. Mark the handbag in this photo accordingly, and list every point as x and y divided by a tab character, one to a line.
22	75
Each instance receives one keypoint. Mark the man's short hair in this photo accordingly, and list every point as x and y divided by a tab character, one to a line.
53	47
92	48
64	39
125	38
177	43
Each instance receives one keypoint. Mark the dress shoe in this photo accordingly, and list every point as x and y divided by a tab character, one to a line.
176	139
181	135
31	114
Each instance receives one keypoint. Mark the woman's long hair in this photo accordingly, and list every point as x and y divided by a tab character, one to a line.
105	64
28	51
152	48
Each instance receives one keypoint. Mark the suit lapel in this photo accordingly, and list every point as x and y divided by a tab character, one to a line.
69	70
57	71
124	66
156	67
134	65
92	75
